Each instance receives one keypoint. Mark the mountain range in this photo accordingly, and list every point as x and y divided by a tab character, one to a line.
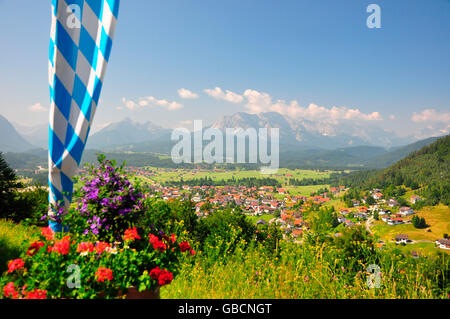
10	139
314	134
302	143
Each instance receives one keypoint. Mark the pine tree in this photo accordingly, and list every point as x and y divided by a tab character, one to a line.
8	184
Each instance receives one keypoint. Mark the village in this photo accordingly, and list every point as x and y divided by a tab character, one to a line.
276	205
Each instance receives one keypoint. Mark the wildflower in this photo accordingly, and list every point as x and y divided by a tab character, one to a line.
101	246
84	248
48	233
184	246
36	294
34	248
131	234
15	264
111	250
103	274
10	291
62	247
192	252
173	238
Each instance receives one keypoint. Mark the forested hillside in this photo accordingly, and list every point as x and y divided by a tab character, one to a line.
427	169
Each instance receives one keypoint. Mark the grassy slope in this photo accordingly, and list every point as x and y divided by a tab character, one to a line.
438	217
300	272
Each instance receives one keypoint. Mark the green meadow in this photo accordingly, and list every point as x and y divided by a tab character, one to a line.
283	175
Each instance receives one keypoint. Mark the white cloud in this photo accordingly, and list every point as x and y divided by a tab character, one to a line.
187	94
258	102
431	115
228	96
37	108
151	101
129	104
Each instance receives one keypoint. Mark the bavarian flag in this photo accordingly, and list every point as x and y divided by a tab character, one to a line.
80	46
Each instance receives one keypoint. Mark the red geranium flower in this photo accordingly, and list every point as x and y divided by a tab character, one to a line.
84	247
48	233
15	264
62	247
192	252
155	272
10	291
157	244
34	248
101	246
184	246
173	238
163	276
131	234
103	274
36	294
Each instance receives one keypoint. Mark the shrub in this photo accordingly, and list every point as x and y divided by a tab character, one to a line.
419	222
226	227
32	204
164	214
107	202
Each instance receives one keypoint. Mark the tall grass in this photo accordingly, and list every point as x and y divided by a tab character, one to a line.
308	271
13	239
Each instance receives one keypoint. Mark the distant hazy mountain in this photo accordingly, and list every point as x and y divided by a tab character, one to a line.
398	153
300	140
10	139
311	134
350	157
36	135
126	132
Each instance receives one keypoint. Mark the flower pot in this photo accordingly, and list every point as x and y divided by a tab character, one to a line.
133	293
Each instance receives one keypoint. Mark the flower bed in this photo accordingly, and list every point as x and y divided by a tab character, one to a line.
106	254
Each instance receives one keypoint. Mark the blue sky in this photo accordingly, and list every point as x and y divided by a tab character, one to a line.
270	55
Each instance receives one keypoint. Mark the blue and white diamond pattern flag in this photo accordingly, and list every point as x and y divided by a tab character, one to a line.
80	47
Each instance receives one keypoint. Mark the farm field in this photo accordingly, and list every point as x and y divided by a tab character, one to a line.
422	248
283	175
437	217
265	217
